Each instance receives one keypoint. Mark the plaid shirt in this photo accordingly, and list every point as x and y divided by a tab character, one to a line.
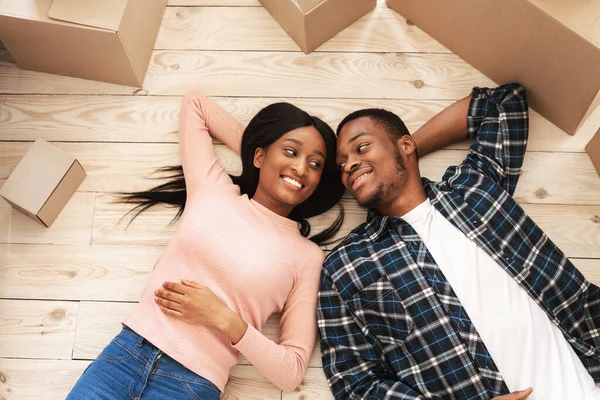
392	327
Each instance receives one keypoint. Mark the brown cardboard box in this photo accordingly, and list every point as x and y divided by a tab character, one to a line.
593	150
522	41
43	182
105	40
313	22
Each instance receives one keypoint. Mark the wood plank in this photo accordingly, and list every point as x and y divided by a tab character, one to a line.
314	387
150	228
99	322
246	383
38	379
37	329
253	28
27	379
97	325
572	227
590	268
549	178
156	118
575	229
62	272
116	167
73	225
272	74
213	3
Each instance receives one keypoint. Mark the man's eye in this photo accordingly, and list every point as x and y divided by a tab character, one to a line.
342	165
361	147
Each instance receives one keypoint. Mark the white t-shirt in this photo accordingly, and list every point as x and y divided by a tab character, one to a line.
528	349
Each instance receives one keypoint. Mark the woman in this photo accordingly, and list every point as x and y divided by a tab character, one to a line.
236	257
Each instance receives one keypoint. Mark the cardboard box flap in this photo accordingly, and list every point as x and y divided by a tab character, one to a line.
36	10
307	5
104	14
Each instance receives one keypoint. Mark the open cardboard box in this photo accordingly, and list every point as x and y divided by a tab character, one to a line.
313	22
593	150
43	182
104	40
552	47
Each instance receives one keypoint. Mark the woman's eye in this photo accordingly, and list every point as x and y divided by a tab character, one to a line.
315	164
291	152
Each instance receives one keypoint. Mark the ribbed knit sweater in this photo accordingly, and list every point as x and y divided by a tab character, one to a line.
253	259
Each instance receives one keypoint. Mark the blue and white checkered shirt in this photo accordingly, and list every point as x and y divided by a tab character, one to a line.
392	327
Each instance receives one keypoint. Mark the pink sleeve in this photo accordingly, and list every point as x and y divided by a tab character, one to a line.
199	121
285	363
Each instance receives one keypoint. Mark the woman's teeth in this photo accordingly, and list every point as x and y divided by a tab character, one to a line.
292	182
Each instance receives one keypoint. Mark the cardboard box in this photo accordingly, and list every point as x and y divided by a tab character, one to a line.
593	150
313	22
104	40
43	182
522	41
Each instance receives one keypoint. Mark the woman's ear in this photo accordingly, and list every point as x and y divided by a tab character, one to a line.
259	156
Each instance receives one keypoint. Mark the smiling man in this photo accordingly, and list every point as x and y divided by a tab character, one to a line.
449	290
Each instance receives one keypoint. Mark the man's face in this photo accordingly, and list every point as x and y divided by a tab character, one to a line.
373	169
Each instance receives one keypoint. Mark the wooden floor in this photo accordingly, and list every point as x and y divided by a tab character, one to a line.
64	290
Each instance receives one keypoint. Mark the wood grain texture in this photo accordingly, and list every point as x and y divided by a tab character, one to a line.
155	118
118	167
313	387
273	74
38	379
75	281
73	225
71	272
254	29
572	227
37	329
213	3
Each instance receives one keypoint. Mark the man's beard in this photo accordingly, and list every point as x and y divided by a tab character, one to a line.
383	190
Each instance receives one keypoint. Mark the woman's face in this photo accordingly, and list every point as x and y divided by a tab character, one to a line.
290	169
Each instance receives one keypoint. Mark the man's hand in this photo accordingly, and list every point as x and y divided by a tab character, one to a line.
520	395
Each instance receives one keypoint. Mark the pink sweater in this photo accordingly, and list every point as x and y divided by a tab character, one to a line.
254	260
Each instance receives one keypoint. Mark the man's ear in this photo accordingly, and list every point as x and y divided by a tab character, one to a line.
259	156
407	145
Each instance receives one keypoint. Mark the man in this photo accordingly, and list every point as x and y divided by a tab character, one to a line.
449	290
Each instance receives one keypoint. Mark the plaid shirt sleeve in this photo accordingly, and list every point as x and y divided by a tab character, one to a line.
354	368
498	121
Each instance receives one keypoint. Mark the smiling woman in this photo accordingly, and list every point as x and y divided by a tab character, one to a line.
223	272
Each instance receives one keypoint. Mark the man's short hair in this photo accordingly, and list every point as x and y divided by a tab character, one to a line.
384	119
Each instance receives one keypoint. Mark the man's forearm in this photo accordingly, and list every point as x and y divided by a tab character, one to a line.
446	128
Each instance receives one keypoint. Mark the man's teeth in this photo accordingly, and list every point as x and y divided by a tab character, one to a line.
362	176
292	182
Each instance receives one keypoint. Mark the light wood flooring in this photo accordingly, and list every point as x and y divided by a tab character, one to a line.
64	290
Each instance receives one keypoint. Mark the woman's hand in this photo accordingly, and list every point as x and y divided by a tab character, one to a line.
520	395
196	304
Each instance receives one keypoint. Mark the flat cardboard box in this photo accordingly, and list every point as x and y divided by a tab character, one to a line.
313	22
557	60
104	40
593	150
43	182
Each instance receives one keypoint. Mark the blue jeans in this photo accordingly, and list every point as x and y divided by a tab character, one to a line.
130	367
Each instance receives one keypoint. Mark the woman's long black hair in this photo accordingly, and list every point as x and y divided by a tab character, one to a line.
268	125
